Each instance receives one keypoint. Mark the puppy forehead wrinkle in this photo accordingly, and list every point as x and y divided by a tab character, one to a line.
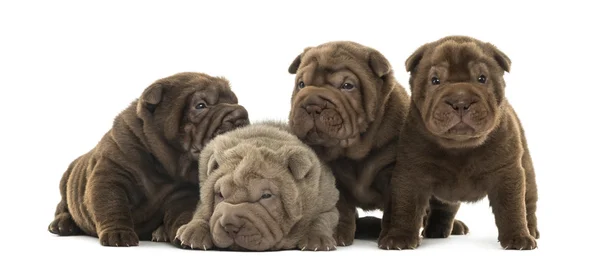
455	53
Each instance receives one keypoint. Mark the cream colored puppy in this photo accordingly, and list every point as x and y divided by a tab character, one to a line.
262	189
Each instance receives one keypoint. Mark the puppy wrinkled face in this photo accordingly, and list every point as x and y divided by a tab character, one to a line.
253	195
211	109
327	100
458	89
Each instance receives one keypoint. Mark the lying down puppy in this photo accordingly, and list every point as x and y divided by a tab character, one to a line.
262	189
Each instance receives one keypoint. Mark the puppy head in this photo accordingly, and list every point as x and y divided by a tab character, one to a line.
457	85
339	87
188	109
257	192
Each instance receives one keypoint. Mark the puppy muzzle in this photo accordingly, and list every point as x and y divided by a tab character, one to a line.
244	227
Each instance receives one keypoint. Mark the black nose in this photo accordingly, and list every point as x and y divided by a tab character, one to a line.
231	229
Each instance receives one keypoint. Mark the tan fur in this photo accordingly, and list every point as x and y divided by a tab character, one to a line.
142	174
462	141
239	167
347	105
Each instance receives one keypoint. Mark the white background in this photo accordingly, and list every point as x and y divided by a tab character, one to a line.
68	68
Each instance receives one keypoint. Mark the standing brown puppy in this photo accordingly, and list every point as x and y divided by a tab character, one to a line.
143	172
462	141
349	108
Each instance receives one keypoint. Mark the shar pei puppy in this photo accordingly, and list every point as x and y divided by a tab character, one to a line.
347	105
143	174
262	189
462	141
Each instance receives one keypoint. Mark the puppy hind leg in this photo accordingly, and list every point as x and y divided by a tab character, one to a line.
440	222
63	224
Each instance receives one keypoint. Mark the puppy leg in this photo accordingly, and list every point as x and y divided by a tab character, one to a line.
344	233
403	215
160	234
531	196
108	203
507	198
440	219
63	224
179	210
319	237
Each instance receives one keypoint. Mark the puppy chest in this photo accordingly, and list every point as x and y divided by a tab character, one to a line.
460	187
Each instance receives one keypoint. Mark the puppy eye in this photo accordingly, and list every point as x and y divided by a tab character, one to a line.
347	86
301	84
219	195
266	196
482	79
200	106
435	81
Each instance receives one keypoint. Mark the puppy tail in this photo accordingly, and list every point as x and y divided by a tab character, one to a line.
367	227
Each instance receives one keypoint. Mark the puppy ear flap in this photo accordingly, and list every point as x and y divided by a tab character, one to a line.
379	64
299	163
502	59
413	60
150	98
293	68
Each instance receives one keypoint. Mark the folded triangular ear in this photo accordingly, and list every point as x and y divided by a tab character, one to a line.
379	64
502	59
413	60
299	163
293	68
150	98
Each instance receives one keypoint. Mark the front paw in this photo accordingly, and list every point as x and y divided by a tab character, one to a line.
119	238
317	242
518	241
194	235
533	231
343	236
399	242
160	235
63	225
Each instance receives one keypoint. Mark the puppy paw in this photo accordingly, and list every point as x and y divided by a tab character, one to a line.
459	228
63	225
160	235
520	242
343	237
119	238
399	242
317	242
533	231
194	235
438	230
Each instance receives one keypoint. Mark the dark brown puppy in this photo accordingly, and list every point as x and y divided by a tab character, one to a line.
462	141
348	107
143	172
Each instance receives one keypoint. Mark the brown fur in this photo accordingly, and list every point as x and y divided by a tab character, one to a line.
462	141
142	172
353	128
262	189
